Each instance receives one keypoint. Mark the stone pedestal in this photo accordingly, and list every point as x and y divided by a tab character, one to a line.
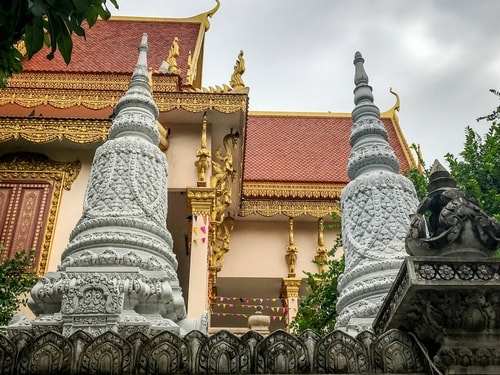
452	306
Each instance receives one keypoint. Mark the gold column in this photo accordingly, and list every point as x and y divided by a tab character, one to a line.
321	250
291	284
201	202
203	154
291	250
290	297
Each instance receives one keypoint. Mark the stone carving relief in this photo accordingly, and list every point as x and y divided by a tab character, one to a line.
340	353
222	353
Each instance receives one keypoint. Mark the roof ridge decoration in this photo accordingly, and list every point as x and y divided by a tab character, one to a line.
118	271
376	207
169	65
236	84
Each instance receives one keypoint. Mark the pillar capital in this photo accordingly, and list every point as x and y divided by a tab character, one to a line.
201	200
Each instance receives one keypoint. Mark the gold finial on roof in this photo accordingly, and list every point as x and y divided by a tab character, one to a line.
189	73
210	14
236	81
171	60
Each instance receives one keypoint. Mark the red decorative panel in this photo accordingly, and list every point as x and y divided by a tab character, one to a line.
24	206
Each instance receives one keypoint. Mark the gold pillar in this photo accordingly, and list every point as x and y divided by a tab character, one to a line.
201	202
290	297
203	154
291	250
291	284
321	250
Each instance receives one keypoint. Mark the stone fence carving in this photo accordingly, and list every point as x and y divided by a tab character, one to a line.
393	352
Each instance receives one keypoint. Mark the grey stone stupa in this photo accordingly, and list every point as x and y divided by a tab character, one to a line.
118	271
376	208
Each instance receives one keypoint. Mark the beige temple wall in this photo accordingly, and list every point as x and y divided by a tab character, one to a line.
258	248
183	142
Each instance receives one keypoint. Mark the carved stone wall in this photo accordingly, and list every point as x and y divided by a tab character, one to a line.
222	353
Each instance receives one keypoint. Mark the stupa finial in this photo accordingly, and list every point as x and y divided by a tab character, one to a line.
141	69
360	76
363	95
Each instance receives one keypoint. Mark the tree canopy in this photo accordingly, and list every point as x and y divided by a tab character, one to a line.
38	22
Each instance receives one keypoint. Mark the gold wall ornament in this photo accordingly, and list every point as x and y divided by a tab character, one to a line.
203	154
33	166
305	191
220	245
236	81
321	250
290	208
221	226
291	250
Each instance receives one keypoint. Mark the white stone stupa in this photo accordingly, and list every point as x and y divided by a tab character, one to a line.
118	271
376	208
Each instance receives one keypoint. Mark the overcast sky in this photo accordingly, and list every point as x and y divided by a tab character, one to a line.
440	56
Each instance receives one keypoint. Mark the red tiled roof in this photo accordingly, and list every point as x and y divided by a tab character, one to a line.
111	46
303	148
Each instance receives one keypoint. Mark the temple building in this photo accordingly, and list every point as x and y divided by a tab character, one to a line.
249	193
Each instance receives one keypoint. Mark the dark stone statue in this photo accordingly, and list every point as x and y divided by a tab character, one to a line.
449	222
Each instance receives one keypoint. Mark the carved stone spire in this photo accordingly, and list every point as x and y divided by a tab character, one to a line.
376	205
118	271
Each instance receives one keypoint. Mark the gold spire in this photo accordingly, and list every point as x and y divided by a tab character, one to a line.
236	81
172	57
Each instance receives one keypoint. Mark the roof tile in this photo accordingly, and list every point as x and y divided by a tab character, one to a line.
302	148
111	47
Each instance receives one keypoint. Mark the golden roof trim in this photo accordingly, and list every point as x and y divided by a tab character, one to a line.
268	208
86	81
41	130
293	190
391	113
166	101
44	130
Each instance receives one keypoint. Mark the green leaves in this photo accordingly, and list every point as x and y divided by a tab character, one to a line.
318	310
16	279
36	22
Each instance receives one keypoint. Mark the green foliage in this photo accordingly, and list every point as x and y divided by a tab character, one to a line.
318	310
419	176
43	21
16	279
477	171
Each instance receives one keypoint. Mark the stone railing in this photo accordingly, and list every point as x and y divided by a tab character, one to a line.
221	353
